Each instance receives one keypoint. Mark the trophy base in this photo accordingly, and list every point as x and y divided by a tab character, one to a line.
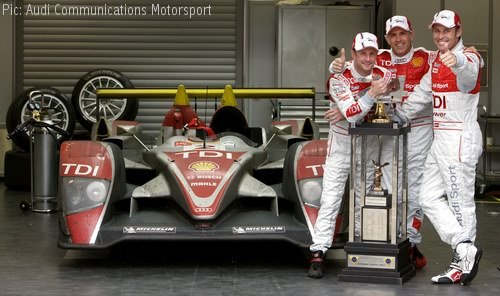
378	263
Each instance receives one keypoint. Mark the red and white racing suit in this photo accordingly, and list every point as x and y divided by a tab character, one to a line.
411	67
348	91
447	194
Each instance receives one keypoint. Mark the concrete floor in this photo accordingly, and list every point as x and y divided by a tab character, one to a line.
31	264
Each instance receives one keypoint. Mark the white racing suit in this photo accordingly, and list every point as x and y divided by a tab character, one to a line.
409	69
348	91
447	194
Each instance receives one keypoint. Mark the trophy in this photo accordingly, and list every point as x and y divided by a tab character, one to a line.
375	211
380	115
380	252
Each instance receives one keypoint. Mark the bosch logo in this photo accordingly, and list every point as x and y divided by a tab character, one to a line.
203	210
205	177
74	169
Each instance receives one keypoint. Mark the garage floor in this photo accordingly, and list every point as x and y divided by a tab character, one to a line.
31	264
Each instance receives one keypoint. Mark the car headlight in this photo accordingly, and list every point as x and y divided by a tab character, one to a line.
96	191
310	190
78	194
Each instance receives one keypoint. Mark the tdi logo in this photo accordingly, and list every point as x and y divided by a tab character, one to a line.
317	169
206	154
74	169
439	102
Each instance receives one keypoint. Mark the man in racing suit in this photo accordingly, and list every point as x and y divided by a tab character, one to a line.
354	92
409	65
451	162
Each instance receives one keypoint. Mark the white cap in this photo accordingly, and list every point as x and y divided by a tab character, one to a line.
364	40
447	18
397	21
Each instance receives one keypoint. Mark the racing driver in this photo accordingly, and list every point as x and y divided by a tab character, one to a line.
354	91
448	195
409	65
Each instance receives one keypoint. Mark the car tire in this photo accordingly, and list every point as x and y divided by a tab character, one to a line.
62	116
17	174
84	98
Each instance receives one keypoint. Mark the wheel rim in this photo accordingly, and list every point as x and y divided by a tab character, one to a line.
109	109
56	112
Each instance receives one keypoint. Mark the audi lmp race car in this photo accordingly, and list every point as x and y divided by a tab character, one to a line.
229	183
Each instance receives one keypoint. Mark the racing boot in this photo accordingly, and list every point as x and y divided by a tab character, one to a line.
417	258
469	256
316	268
452	275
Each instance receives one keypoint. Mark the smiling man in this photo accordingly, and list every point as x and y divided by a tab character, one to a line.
409	65
448	195
354	91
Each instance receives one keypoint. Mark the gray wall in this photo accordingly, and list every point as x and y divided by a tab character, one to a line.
495	58
477	26
6	63
260	58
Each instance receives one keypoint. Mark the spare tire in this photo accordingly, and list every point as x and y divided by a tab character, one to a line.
84	98
53	101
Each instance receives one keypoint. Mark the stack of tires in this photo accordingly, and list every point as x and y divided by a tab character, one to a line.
63	113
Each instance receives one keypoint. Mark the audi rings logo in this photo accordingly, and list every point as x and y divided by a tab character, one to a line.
203	166
203	210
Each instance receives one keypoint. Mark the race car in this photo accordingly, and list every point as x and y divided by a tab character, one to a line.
233	184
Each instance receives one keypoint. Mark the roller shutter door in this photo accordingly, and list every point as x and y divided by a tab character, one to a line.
151	50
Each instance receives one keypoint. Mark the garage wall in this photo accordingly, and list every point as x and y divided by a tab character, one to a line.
6	62
260	58
151	50
495	58
475	17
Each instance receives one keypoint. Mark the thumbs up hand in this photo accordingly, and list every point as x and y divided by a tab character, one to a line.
338	64
448	58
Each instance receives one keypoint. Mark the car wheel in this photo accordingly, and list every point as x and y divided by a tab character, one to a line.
84	98
56	106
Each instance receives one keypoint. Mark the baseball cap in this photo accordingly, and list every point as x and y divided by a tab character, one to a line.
397	21
447	18
364	40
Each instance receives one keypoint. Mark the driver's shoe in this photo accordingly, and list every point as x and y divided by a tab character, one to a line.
417	258
316	268
469	256
451	275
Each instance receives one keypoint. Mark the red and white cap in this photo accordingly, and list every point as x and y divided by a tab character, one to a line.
398	21
447	18
364	40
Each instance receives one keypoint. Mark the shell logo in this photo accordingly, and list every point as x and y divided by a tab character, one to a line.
203	166
417	62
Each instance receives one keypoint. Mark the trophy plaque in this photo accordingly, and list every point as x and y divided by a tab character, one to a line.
380	252
375	212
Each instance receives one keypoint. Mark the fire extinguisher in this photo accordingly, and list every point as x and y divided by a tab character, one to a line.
44	156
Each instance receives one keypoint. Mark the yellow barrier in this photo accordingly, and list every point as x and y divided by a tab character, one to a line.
253	93
226	94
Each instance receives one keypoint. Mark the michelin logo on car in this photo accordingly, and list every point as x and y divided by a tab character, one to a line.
258	229
149	230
